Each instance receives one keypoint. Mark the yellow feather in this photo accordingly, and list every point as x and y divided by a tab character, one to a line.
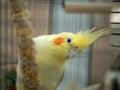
85	38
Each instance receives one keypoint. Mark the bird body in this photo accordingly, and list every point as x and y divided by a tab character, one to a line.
52	51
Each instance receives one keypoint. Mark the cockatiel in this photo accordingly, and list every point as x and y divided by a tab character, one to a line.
52	51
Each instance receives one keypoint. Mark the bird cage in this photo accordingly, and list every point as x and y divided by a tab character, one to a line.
50	17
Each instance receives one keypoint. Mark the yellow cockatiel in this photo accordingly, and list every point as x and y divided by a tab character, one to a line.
52	51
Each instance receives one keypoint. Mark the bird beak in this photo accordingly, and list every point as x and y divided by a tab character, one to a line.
72	52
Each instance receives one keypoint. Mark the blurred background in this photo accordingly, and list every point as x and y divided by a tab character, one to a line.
48	16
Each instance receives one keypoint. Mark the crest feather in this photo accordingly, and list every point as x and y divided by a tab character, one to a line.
89	36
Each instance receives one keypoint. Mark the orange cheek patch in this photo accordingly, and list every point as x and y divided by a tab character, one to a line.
59	40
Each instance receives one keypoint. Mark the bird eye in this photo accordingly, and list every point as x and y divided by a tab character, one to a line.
69	40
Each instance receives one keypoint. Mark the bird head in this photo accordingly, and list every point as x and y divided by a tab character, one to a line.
69	44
